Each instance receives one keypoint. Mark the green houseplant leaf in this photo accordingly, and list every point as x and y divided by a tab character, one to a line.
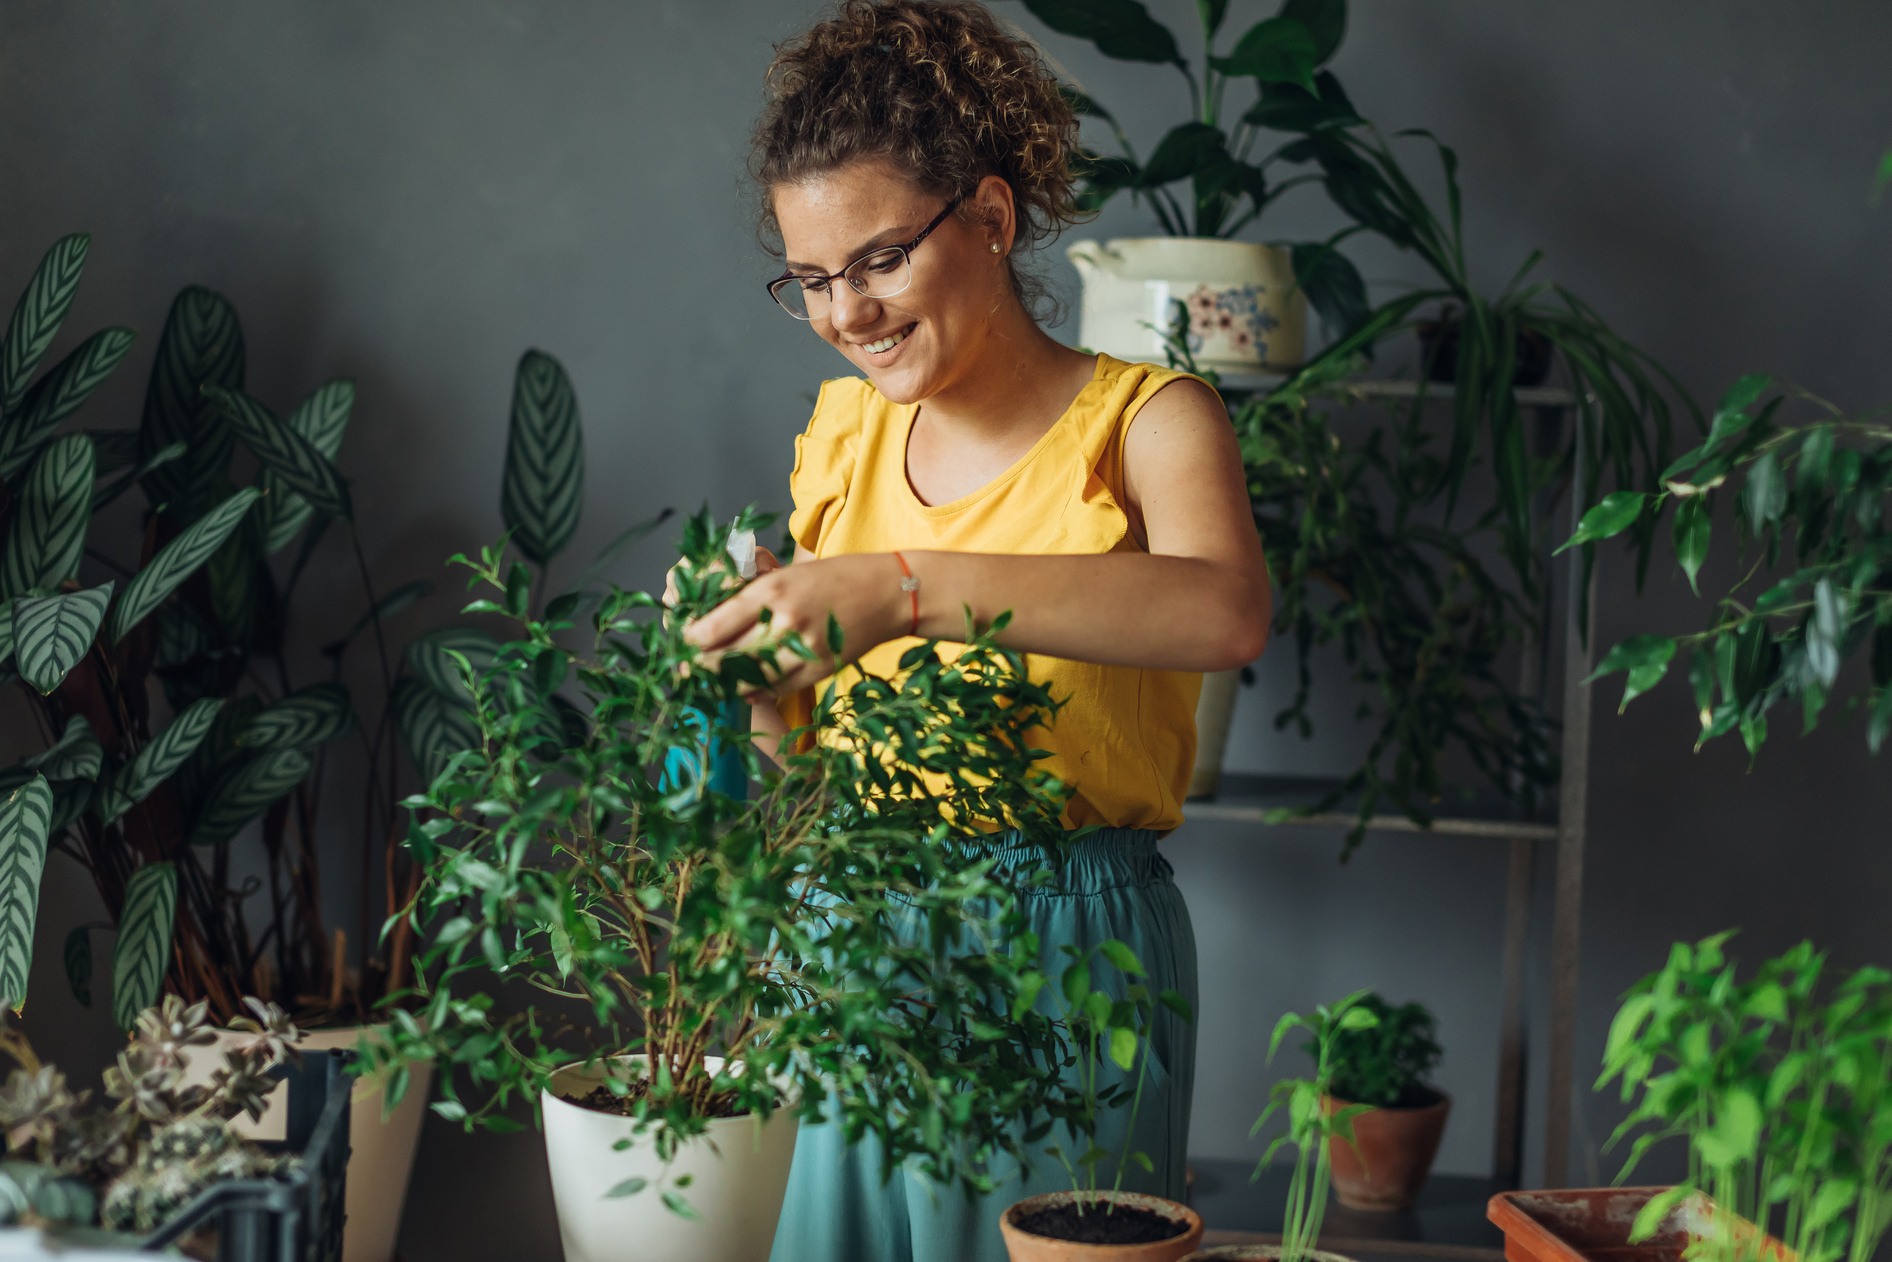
432	727
1122	29
322	418
154	763
58	395
432	657
48	528
544	488
291	459
38	315
143	948
25	828
1277	50
78	960
1326	22
309	716
178	560
76	755
202	344
51	633
245	791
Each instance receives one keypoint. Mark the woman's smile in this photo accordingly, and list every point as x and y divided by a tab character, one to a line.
881	349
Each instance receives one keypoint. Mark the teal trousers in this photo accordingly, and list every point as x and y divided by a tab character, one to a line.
1112	884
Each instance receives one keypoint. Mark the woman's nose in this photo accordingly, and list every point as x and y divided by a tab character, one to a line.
849	310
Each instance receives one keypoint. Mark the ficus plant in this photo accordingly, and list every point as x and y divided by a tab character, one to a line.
841	934
1781	1087
1385	1065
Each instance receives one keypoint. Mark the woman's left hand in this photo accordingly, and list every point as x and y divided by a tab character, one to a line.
862	591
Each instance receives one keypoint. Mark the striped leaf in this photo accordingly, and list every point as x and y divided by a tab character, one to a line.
76	755
36	319
322	418
433	728
431	657
117	448
202	344
6	630
143	949
242	590
294	461
155	763
245	791
178	560
106	494
58	395
51	633
306	717
544	488
79	964
71	799
25	827
48	534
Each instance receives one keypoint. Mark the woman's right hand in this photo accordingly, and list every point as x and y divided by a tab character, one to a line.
765	563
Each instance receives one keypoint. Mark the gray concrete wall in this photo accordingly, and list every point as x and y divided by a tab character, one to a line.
412	193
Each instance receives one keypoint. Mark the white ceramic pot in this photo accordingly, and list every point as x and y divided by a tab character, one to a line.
381	1153
738	1175
1215	711
1246	314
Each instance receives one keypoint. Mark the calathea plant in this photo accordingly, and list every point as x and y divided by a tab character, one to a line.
842	934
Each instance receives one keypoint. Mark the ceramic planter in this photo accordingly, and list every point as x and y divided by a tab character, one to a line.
1246	314
1390	1157
1023	1246
1215	711
1582	1224
738	1175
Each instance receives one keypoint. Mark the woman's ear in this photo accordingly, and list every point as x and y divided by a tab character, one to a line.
992	206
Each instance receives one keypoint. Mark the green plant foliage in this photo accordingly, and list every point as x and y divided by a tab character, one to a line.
311	716
440	658
321	419
76	755
178	560
38	315
25	827
293	462
143	949
544	488
158	760
57	395
1385	1065
1783	1097
202	345
51	633
245	791
47	533
433	728
78	959
844	931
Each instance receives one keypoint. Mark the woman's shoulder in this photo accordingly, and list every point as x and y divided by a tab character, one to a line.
1128	386
845	407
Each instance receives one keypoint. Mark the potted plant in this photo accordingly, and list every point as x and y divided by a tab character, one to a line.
1781	1088
831	947
1105	1026
1247	301
1384	1067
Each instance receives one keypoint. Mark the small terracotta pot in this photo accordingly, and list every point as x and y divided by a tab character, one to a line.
1390	1157
1258	1253
1023	1246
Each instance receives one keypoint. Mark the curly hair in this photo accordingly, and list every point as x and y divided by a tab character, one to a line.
939	89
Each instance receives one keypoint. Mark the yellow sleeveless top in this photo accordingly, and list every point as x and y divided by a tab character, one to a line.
1127	737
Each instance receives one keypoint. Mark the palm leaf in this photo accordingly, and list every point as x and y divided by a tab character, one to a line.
178	560
144	941
25	828
433	728
245	791
51	633
293	460
544	488
48	533
154	763
431	657
322	418
76	755
202	344
41	310
307	717
58	395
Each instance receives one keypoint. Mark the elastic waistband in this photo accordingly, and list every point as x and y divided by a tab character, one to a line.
1103	859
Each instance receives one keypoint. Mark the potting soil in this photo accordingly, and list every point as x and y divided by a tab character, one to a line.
1100	1223
604	1100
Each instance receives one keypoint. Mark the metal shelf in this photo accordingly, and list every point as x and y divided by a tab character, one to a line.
1250	799
1448	1221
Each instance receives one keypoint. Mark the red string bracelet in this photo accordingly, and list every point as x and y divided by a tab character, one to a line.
911	586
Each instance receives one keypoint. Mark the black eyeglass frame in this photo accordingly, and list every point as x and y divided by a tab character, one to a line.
776	286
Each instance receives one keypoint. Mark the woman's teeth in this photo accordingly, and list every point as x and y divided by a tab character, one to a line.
887	343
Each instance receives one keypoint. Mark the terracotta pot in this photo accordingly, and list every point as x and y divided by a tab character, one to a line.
1390	1157
1582	1224
1259	1253
1023	1246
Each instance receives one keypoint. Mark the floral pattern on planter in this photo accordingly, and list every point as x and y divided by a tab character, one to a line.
1233	314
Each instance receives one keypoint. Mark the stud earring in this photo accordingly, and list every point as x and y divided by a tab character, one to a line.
995	247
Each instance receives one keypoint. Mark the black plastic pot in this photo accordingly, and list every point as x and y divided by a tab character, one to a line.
296	1218
1438	344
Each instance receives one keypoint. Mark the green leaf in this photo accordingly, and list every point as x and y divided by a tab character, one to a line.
1123	1048
155	763
1275	50
143	949
1174	1001
58	395
79	964
543	492
202	344
38	315
292	460
51	633
1211	12
1334	287
1824	631
1181	153
245	791
1691	532
630	1187
1731	415
1325	20
1122	957
1764	496
25	827
48	528
431	657
1882	180
106	494
680	1207
322	418
1645	657
178	560
309	716
76	755
1292	108
1615	513
1122	29
433	728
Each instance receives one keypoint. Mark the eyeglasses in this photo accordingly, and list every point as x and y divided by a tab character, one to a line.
881	274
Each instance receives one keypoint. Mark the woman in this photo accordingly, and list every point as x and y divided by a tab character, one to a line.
910	153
